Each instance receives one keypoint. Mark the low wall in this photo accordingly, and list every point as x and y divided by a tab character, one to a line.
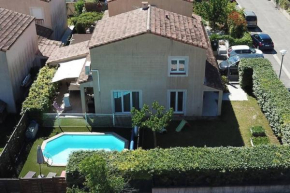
227	189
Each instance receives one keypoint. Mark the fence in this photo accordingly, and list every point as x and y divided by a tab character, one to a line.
86	120
9	158
33	185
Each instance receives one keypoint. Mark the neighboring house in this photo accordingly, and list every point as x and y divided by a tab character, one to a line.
148	55
182	7
49	13
18	47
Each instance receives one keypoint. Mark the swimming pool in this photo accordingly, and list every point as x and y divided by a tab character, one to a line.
57	149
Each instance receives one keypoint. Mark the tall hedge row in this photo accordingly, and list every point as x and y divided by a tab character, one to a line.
272	96
193	166
41	94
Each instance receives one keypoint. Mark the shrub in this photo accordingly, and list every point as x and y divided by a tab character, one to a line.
258	131
260	141
87	19
245	40
237	24
271	94
40	95
79	5
192	166
225	81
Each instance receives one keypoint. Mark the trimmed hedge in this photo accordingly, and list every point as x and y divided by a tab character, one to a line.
41	94
245	40
85	20
260	141
193	166
271	94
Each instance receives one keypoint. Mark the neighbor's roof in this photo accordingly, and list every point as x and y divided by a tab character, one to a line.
12	25
156	21
70	52
47	47
190	1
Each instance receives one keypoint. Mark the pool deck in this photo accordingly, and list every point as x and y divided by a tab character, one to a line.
49	161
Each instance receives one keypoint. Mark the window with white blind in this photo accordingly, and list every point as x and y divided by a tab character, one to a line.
178	65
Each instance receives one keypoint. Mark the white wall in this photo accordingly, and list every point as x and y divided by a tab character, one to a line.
58	18
20	59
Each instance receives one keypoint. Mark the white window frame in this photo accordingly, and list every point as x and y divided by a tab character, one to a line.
131	101
178	73
42	12
184	100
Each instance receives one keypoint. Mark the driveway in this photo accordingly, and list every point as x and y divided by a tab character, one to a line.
274	23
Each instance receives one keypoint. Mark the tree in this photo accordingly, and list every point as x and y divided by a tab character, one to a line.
215	11
99	178
154	119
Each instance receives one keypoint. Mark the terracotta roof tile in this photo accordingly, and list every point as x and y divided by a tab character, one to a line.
46	46
161	22
12	25
69	52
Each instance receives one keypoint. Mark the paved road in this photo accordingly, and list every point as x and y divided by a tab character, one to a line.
274	23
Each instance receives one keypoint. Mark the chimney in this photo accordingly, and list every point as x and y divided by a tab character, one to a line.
145	5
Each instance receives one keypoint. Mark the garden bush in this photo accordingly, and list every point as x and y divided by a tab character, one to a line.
245	40
192	166
258	131
272	96
87	19
79	5
237	24
260	141
40	95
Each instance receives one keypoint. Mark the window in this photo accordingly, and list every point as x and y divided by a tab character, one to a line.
123	101
37	12
177	101
178	65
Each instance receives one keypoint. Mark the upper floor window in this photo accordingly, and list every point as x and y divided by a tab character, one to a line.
178	65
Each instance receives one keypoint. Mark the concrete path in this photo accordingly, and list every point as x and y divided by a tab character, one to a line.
236	93
277	25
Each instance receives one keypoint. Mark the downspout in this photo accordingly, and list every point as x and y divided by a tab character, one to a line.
98	78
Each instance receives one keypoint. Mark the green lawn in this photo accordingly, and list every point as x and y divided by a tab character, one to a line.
44	133
232	129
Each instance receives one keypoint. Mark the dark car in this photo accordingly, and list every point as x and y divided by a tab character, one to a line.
263	41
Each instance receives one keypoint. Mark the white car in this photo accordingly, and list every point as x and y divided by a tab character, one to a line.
245	52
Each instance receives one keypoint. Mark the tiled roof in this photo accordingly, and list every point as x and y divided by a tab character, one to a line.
153	20
47	46
43	31
190	1
12	25
69	52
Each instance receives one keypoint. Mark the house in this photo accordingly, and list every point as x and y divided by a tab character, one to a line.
150	54
48	13
182	7
18	47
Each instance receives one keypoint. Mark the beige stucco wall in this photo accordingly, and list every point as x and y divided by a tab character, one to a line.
54	12
20	59
177	6
58	18
141	63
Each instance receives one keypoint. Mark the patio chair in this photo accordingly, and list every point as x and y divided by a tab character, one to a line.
181	125
30	174
51	174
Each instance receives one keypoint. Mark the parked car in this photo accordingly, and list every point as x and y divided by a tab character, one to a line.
262	41
230	62
251	19
245	52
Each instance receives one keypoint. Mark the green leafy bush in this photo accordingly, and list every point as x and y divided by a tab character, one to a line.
41	94
79	5
192	166
237	24
258	131
245	40
87	19
260	140
271	94
225	82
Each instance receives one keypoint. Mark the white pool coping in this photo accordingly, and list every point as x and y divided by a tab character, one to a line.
49	161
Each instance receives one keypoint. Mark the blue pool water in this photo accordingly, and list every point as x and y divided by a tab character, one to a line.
58	150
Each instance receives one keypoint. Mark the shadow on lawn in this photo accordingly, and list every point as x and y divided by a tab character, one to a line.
211	133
